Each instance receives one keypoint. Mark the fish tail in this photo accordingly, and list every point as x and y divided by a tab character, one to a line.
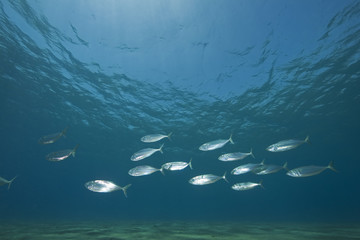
10	182
251	153
230	139
307	140
63	132
190	165
224	177
125	188
162	171
168	136
160	149
331	166
285	166
74	150
261	185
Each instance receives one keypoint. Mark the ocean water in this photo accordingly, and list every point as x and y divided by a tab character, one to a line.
115	71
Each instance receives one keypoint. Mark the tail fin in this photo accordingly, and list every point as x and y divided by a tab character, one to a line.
125	188
261	185
251	153
162	170
285	166
190	165
230	139
224	177
74	150
168	136
10	182
307	140
160	149
63	132
331	166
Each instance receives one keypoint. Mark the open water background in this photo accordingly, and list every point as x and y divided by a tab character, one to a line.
114	71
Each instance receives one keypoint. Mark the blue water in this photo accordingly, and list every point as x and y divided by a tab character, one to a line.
114	71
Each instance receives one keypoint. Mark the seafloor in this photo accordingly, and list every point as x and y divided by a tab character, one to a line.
176	230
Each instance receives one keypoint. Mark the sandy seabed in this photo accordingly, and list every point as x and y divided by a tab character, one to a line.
176	230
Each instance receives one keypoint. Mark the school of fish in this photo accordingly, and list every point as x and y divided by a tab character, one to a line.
258	168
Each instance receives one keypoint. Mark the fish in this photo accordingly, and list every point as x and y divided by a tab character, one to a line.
235	156
206	179
104	186
215	144
308	171
175	166
146	152
267	169
246	186
3	181
286	145
246	168
52	137
61	155
144	170
154	137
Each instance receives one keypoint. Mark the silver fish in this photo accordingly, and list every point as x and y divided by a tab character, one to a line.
104	186
215	144
246	168
52	137
286	145
235	156
144	153
268	169
246	186
154	137
143	171
308	171
175	166
61	155
3	181
206	179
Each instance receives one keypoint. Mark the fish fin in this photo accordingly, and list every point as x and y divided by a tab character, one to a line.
307	140
63	132
331	166
230	139
74	150
261	185
168	136
125	188
10	182
251	153
224	177
160	149
262	162
162	171
285	166
190	165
